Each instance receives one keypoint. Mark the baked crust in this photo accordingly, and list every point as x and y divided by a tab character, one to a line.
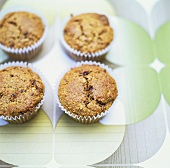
21	90
88	33
20	29
87	90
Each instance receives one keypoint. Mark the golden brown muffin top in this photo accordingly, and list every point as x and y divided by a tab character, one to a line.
21	90
87	90
88	32
20	29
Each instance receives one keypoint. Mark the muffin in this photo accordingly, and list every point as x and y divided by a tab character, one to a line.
21	93
22	34
87	92
88	36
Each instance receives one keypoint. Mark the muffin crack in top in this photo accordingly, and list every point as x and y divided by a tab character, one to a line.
87	90
20	29
21	90
89	94
88	33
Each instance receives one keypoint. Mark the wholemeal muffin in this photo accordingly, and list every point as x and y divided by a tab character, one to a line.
20	29
21	91
87	91
21	34
88	35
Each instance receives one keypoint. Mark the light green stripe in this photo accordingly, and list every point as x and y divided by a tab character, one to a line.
162	43
140	92
164	77
132	44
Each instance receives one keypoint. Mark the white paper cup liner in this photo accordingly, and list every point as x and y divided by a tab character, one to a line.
80	56
89	119
28	115
29	52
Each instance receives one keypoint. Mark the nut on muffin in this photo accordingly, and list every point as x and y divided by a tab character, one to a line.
87	90
20	29
21	90
88	32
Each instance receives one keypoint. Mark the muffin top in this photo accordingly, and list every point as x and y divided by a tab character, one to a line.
88	32
87	90
20	29
21	90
